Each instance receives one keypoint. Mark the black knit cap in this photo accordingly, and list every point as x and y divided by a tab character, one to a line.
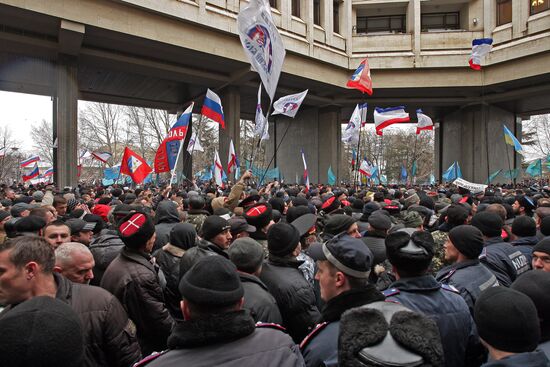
246	254
42	331
490	224
468	240
543	246
412	253
338	223
536	285
380	220
259	215
136	229
213	226
507	320
545	226
282	239
212	281
524	226
295	212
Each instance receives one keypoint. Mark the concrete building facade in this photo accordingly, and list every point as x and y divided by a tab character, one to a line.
165	53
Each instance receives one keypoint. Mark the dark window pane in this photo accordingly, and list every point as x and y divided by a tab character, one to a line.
336	16
296	8
382	24
441	21
273	3
539	5
504	11
317	12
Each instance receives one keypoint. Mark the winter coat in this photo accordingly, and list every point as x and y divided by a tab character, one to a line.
209	246
229	340
104	250
376	242
525	246
196	217
132	278
320	347
109	336
532	359
293	293
470	278
258	301
166	217
444	305
168	259
503	260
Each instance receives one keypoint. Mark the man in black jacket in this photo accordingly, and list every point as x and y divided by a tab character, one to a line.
280	273
26	271
343	266
134	280
248	255
216	330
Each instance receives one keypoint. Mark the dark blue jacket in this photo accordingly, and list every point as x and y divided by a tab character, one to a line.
533	359
320	347
444	305
469	277
525	246
503	260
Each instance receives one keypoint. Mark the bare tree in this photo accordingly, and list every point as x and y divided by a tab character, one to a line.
536	135
9	163
42	137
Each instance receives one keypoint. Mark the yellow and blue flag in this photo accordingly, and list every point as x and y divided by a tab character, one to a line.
510	139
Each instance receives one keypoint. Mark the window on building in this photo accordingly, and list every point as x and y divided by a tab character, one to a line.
539	5
317	12
440	21
336	16
296	8
381	24
504	12
273	4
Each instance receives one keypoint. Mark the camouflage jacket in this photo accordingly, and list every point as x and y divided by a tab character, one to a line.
196	218
438	260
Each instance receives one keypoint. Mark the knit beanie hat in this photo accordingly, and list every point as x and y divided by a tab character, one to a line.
282	239
259	215
507	320
136	229
490	224
338	223
42	331
295	212
524	226
543	246
212	281
468	240
536	285
213	226
246	254
412	219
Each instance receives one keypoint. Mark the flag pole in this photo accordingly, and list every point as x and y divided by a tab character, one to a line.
275	153
253	155
358	153
509	164
177	159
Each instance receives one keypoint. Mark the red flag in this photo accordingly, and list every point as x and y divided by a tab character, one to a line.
361	78
134	166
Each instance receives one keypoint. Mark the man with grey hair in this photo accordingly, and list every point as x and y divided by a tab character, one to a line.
75	262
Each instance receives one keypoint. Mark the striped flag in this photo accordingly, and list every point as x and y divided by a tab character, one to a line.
48	173
102	156
30	161
32	174
384	117
167	152
306	174
480	48
424	122
510	139
212	108
361	79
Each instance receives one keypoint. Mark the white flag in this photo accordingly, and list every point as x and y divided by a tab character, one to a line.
424	122
289	105
262	43
262	126
194	144
218	169
232	158
351	134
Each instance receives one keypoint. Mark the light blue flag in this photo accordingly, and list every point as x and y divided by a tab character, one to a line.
512	173
535	168
403	172
331	176
451	173
374	172
383	179
111	173
492	177
413	169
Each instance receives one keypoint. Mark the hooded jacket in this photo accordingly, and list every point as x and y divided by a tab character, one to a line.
166	217
104	250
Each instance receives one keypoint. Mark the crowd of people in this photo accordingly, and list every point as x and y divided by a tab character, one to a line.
277	275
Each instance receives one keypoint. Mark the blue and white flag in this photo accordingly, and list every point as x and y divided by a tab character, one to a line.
480	48
384	117
358	118
262	43
424	122
289	105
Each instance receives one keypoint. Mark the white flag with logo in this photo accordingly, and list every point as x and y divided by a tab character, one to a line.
262	43
262	126
289	105
351	134
194	144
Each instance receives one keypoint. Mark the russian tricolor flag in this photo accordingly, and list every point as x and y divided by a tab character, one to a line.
34	173
480	48
212	108
48	173
424	122
30	161
384	117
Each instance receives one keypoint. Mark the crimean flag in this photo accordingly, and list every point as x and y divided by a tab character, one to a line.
167	152
510	139
32	174
306	174
29	161
212	108
480	48
384	117
102	156
232	158
134	166
361	79
424	122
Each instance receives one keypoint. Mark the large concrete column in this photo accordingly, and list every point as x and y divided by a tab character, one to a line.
66	122
329	132
231	101
474	137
